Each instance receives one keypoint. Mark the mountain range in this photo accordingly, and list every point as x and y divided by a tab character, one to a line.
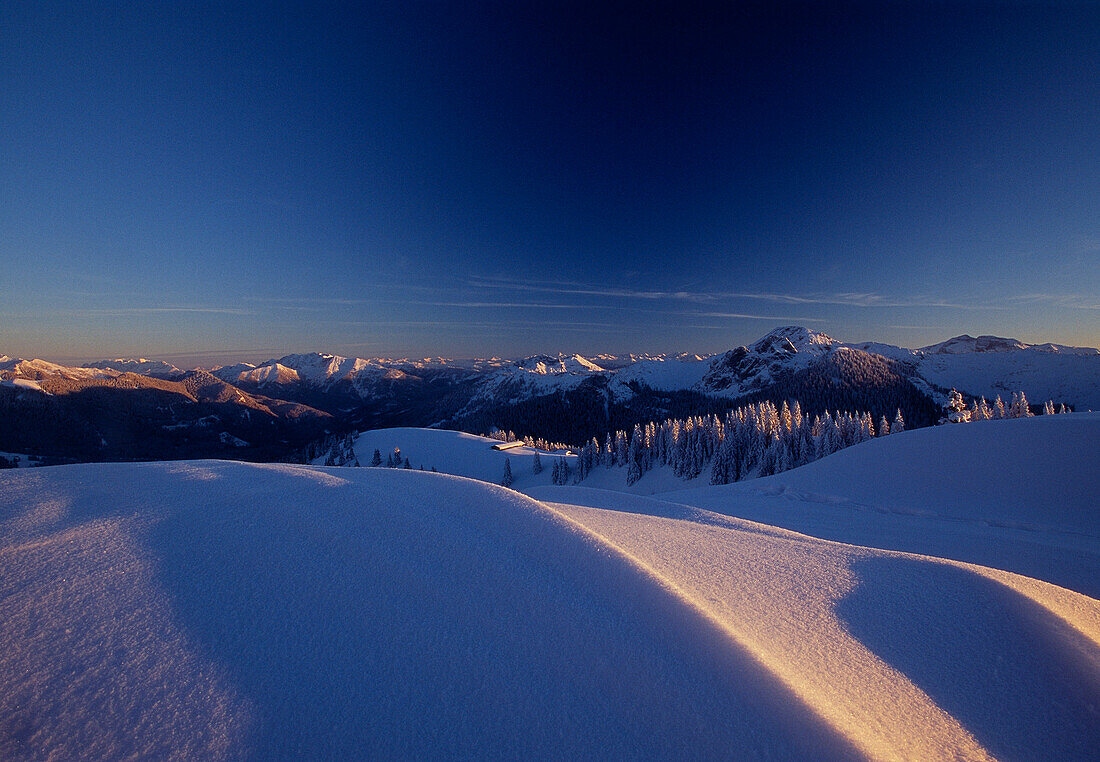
139	408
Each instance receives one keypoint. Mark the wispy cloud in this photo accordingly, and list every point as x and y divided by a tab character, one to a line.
1074	301
849	299
750	316
158	310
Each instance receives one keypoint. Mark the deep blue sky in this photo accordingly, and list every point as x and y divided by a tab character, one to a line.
233	181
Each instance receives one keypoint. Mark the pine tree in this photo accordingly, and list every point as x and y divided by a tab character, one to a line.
883	426
407	464
537	465
956	411
999	408
1019	407
507	480
376	459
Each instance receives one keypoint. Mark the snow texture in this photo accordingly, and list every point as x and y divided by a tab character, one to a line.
223	610
1019	495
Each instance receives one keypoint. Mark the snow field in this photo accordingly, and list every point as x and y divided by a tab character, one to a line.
1019	495
226	610
909	657
223	610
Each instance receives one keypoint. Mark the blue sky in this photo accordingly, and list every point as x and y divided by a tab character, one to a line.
214	182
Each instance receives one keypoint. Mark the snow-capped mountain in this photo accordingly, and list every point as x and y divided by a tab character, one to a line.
548	365
141	366
569	397
966	344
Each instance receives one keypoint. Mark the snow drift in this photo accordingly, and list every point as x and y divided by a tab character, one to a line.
1016	494
222	610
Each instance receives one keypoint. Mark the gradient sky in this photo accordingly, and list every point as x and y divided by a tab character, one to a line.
217	182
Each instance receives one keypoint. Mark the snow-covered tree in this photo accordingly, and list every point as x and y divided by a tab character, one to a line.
506	481
1019	407
955	411
536	466
999	411
898	425
376	459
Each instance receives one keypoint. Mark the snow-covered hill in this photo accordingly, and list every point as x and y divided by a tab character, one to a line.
459	454
1018	495
221	610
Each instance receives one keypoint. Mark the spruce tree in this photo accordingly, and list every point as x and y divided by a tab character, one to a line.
537	464
507	480
376	459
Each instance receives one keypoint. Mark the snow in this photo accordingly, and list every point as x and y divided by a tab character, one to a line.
900	652
37	368
1073	379
223	610
661	374
1017	494
139	365
320	368
965	344
23	384
274	374
549	365
454	452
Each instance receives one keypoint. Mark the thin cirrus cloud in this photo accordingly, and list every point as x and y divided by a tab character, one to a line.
1074	301
850	299
160	310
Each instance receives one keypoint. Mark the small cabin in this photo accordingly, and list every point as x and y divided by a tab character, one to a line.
507	445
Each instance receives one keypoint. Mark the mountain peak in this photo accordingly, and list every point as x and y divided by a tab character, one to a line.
965	343
140	365
791	339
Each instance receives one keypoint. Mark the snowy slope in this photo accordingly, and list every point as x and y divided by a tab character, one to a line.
223	610
1018	495
907	656
966	344
1070	378
459	454
1015	494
